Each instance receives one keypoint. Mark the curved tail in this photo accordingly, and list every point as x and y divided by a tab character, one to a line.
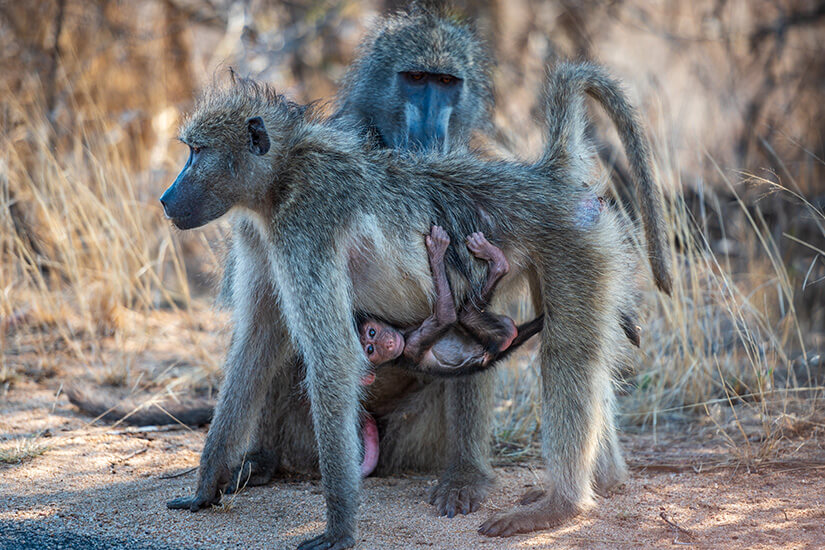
568	149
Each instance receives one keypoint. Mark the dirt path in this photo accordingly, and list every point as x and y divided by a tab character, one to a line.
94	489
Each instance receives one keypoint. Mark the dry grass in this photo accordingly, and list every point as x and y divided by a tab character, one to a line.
24	449
91	273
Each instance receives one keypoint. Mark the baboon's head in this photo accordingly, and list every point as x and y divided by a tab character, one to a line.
422	80
228	162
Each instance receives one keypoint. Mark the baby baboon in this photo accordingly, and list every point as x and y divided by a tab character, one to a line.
318	203
451	342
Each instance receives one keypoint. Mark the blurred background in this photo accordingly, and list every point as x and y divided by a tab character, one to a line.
95	284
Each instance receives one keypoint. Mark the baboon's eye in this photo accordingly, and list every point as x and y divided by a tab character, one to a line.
372	333
370	349
446	79
415	75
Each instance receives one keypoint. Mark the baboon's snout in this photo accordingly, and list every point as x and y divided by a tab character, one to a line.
167	200
178	207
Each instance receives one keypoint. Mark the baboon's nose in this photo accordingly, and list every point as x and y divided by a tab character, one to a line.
165	209
166	199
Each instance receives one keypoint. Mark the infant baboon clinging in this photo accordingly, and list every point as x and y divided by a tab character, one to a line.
318	202
451	342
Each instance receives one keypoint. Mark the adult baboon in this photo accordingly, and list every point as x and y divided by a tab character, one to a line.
426	76
321	203
421	81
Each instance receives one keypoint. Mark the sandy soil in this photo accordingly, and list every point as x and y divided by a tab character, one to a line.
92	481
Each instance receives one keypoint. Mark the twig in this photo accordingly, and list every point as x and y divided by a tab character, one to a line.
145	429
183	473
678	528
133	455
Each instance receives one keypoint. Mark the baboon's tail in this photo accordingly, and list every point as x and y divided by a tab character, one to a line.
191	413
567	148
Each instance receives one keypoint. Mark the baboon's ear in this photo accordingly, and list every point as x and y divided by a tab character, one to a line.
258	138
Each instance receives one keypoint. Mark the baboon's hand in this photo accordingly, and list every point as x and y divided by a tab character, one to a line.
193	504
328	542
460	494
258	469
543	513
210	483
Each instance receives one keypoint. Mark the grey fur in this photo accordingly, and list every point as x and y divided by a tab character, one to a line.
320	221
414	412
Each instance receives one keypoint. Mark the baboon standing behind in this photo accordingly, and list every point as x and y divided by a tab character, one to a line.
320	199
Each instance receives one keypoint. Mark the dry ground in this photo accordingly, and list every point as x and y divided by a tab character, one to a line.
110	485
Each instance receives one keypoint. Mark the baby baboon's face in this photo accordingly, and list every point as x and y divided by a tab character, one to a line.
211	182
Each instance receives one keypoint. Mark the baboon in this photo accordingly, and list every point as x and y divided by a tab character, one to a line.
323	202
394	90
451	342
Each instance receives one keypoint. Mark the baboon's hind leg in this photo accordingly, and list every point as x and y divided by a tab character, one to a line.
576	388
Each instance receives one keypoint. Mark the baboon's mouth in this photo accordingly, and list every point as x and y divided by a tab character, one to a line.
187	221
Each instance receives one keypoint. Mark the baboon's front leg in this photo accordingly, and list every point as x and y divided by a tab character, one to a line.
469	477
317	306
258	336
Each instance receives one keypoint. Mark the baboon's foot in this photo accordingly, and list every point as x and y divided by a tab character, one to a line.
327	542
369	436
460	493
437	242
610	477
544	513
533	495
257	469
485	250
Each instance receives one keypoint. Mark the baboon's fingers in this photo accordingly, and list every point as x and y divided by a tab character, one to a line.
193	504
327	542
460	498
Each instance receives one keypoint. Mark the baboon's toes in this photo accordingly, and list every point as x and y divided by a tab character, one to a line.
459	498
327	542
542	514
533	495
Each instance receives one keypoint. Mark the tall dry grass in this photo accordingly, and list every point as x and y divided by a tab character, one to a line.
729	347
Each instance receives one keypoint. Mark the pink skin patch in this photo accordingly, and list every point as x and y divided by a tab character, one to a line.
369	435
588	211
513	334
